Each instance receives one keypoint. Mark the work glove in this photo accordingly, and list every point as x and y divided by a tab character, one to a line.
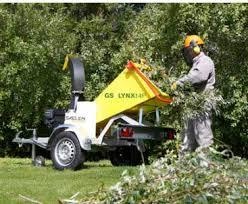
174	86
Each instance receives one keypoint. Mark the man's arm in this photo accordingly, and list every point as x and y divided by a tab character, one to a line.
197	74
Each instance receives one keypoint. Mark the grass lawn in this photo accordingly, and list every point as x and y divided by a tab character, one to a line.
44	184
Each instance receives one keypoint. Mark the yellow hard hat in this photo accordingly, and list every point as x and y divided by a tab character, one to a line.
195	38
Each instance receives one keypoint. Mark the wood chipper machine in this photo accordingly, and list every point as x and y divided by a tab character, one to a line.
114	121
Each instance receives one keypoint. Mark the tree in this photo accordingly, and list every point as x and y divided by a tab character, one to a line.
33	44
157	34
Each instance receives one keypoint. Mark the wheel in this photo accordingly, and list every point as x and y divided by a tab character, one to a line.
126	156
39	161
66	152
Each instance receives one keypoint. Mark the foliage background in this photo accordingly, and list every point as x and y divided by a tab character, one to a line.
34	39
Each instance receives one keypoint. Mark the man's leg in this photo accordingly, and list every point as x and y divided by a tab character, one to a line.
188	138
203	131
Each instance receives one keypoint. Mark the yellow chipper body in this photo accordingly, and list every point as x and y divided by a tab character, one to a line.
113	122
128	93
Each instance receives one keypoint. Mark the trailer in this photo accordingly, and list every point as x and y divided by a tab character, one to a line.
114	121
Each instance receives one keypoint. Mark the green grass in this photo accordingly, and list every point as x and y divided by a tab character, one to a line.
47	185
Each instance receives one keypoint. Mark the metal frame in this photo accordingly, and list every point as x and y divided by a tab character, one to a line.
43	141
110	122
39	141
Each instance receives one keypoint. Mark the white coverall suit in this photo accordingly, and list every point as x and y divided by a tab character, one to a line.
197	131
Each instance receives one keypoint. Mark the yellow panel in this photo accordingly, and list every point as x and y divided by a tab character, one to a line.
127	91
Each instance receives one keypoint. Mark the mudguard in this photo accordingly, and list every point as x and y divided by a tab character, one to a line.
85	143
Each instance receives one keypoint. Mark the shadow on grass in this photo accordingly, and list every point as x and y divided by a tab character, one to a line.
101	163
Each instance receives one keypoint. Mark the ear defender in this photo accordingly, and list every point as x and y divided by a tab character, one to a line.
195	47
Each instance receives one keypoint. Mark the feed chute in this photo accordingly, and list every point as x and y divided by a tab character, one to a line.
128	92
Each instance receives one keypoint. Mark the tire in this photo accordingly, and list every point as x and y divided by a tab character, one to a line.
39	161
66	152
126	156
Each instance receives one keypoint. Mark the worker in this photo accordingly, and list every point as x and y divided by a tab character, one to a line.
197	129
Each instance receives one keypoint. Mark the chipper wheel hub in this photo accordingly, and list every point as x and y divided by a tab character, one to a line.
65	151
